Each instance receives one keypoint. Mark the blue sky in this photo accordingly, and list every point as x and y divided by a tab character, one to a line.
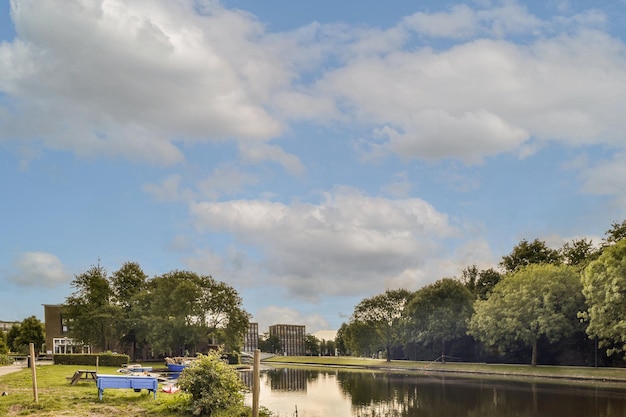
310	155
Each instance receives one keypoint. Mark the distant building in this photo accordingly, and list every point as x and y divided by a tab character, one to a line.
57	328
251	342
291	338
5	326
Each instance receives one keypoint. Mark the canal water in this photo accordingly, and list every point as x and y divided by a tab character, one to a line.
303	392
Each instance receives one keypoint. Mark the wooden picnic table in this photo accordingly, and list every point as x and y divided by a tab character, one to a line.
83	375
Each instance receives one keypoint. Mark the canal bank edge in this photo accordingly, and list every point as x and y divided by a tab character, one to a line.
563	373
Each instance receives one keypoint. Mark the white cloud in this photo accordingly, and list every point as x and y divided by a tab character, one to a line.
607	177
225	180
231	265
400	186
437	134
486	96
138	75
325	248
459	22
167	190
557	241
38	269
261	152
271	315
506	19
144	76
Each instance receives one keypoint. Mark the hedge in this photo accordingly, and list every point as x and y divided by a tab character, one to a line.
6	360
104	359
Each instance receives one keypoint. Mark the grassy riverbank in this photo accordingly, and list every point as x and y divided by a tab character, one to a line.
614	375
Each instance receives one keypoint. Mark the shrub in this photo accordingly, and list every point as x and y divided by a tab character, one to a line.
212	384
5	360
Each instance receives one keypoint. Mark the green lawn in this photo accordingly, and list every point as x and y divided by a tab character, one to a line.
60	399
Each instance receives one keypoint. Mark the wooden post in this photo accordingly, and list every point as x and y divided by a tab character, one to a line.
34	371
97	362
256	383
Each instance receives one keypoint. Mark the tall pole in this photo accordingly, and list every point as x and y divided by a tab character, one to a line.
256	383
34	372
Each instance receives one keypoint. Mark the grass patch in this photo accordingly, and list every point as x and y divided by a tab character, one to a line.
617	375
58	398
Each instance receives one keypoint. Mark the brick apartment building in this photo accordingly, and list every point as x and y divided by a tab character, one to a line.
291	338
251	341
56	332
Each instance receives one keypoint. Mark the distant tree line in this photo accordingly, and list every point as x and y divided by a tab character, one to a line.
20	336
176	313
562	306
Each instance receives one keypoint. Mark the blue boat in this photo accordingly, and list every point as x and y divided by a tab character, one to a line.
176	367
178	364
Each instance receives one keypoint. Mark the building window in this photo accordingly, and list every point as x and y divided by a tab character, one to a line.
65	327
64	345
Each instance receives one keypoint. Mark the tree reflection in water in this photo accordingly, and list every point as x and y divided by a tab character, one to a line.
374	394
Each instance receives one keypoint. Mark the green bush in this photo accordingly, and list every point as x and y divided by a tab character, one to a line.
212	384
5	360
104	359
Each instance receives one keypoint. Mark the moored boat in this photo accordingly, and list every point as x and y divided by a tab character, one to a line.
178	364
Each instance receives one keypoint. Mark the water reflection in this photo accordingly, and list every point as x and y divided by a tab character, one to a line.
335	393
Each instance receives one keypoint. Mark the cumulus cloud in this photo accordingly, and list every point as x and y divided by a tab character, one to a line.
231	264
222	181
137	75
316	249
225	180
607	177
167	190
487	96
262	152
400	186
144	76
38	269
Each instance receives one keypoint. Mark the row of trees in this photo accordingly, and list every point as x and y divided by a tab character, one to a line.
19	336
557	305
175	313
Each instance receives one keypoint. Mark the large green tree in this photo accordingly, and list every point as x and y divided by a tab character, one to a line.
89	310
604	288
12	336
360	339
616	233
526	253
579	252
31	331
185	311
383	314
340	339
439	313
270	343
312	345
487	279
533	302
226	319
4	346
127	285
480	282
